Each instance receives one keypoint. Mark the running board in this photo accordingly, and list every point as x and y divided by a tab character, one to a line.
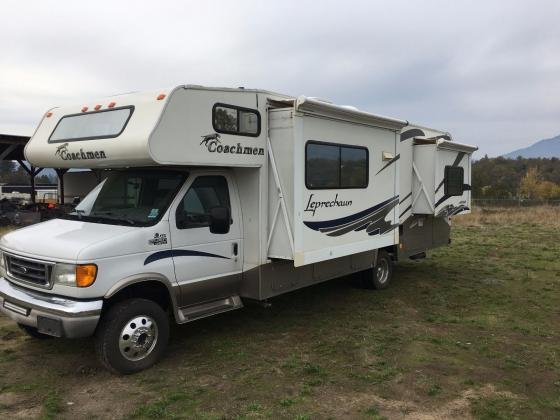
202	310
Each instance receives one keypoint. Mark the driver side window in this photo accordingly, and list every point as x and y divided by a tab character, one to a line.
205	193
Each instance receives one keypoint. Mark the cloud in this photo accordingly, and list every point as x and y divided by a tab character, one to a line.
487	72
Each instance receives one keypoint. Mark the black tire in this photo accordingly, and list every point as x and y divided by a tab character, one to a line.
380	275
126	317
33	332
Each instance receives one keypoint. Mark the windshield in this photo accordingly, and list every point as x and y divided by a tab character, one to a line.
132	197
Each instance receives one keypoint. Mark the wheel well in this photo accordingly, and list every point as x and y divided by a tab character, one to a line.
149	289
392	251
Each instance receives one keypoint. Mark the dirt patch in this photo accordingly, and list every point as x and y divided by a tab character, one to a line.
459	407
18	406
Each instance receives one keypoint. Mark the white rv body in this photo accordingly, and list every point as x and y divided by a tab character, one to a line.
313	190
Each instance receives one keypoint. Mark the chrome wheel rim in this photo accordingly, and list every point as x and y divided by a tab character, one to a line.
138	338
382	271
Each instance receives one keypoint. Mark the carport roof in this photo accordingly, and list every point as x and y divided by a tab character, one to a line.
11	147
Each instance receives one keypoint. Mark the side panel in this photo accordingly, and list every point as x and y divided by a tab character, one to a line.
185	134
281	276
330	223
282	145
446	205
424	157
423	232
404	165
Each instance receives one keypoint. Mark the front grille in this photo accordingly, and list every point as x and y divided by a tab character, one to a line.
30	271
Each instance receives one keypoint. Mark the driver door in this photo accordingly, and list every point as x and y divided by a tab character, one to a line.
208	265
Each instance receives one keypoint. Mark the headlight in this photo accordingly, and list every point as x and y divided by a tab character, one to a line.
64	274
82	275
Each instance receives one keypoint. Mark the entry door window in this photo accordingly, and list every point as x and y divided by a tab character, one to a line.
205	193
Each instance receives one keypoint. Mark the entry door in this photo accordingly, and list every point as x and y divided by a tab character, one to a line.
207	265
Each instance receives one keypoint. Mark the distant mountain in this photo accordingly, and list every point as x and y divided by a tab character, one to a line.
542	149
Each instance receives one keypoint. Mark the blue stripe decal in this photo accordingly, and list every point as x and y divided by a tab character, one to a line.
347	219
170	253
371	220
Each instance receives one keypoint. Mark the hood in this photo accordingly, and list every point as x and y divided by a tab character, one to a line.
60	239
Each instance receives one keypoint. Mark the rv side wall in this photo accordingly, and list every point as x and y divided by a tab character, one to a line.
354	217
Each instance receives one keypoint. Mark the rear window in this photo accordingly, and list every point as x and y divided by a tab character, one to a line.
92	125
454	178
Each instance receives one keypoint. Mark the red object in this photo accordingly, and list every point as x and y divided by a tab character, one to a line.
161	96
49	114
111	105
84	109
97	107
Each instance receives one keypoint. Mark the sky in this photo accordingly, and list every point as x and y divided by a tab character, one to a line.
486	71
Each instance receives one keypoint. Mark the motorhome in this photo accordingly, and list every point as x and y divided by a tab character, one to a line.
213	197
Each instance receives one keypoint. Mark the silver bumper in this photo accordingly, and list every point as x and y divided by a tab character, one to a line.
53	315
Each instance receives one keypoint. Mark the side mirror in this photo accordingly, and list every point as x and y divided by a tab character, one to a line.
220	218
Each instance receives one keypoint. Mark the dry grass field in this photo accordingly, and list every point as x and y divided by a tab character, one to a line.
473	331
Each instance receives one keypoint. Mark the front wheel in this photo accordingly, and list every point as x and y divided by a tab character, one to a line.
380	275
132	336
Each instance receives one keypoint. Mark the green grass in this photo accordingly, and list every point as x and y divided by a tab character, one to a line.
477	321
52	406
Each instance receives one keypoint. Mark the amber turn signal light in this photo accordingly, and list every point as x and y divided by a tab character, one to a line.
85	274
160	96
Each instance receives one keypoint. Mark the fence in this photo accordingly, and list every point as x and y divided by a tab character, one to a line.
512	202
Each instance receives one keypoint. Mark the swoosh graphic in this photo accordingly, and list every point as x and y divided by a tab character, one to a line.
170	253
371	220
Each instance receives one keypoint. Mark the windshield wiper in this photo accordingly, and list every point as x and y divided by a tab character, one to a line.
80	213
115	219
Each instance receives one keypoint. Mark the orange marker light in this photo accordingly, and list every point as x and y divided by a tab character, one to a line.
49	114
85	274
111	104
161	96
84	109
97	107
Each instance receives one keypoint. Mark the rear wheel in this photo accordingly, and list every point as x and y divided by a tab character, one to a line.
33	332
380	275
132	336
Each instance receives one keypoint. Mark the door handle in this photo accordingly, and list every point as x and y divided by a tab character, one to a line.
235	249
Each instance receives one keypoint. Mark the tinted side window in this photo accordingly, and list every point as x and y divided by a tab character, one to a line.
454	179
322	165
335	166
230	119
205	193
353	167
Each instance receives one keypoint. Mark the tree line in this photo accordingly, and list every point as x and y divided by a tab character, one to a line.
530	178
12	173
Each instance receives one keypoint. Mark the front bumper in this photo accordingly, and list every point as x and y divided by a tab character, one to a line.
52	315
